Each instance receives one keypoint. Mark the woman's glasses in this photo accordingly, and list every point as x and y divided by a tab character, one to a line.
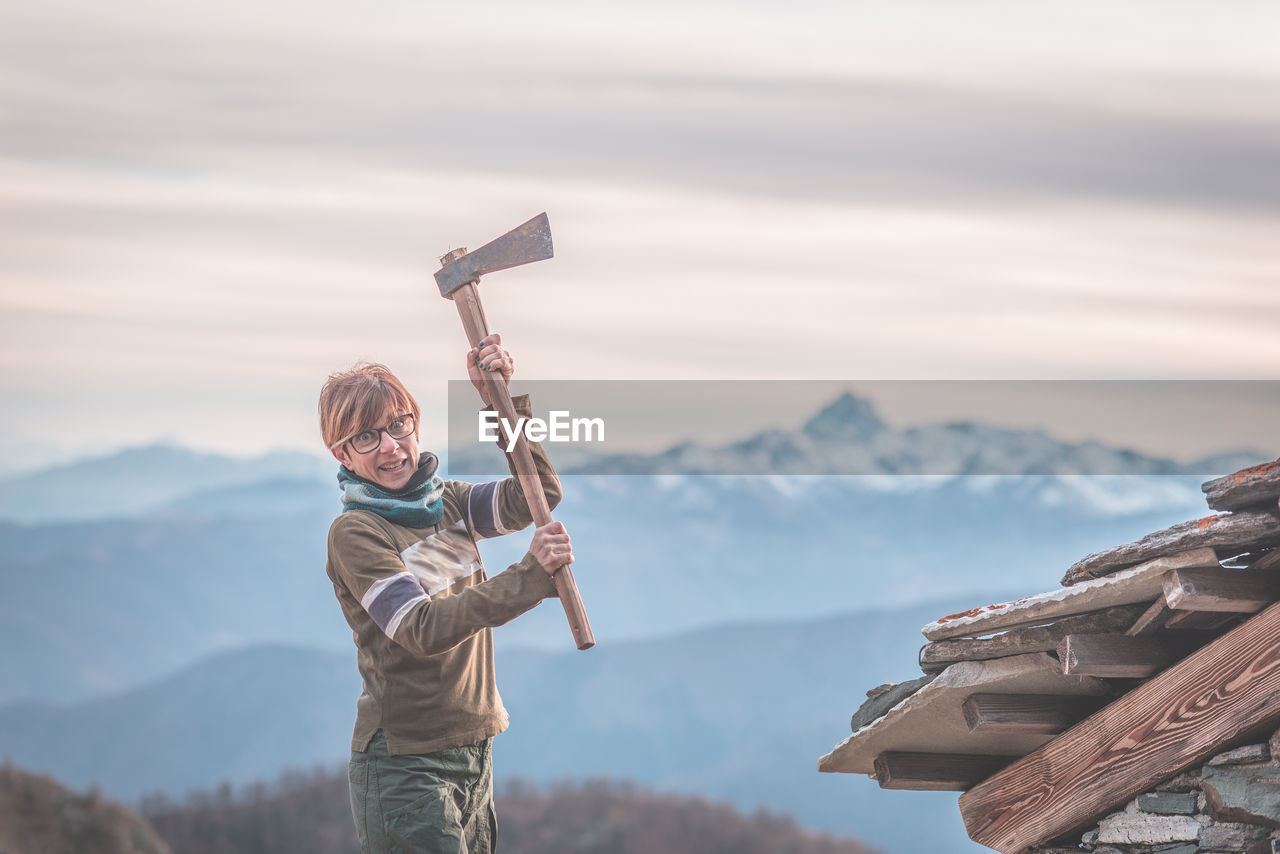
367	441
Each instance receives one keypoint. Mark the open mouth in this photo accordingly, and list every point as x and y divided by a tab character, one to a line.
394	467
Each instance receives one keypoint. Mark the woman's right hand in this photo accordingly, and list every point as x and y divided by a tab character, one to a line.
551	546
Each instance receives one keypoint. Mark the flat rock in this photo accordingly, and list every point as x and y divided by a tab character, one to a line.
934	657
1246	755
1246	487
931	720
883	698
1229	836
1137	828
1168	803
1239	532
1187	781
1248	793
1141	583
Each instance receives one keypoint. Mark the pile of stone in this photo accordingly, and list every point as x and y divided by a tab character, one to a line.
1231	804
1001	680
1152	656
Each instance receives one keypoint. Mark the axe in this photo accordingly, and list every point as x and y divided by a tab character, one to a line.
457	278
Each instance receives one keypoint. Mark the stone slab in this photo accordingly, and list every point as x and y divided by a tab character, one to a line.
1187	781
1137	828
883	698
1254	485
1246	755
1233	532
1168	803
1229	836
1248	793
1142	583
931	720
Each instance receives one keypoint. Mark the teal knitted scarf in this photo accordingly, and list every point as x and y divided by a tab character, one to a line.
417	504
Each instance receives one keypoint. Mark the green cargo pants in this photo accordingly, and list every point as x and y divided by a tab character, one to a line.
424	803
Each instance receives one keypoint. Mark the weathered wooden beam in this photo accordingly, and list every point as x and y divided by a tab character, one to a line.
1113	656
1151	620
1253	485
935	657
1020	713
935	772
1241	531
1140	583
1239	591
1268	560
1199	620
1175	721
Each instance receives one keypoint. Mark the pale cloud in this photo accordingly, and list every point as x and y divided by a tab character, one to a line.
207	208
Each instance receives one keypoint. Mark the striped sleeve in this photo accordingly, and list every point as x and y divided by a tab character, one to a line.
500	507
484	516
384	593
363	561
388	599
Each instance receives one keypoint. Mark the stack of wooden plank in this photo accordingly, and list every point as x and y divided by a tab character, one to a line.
1049	710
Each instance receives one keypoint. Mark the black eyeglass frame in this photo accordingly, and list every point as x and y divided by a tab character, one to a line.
409	427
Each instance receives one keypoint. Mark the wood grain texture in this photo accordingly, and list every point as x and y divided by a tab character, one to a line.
1234	590
1113	656
934	657
1178	719
476	326
1246	487
1015	713
934	772
1151	621
1180	621
1267	560
1238	532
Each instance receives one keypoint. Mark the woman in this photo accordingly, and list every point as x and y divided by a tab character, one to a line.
405	568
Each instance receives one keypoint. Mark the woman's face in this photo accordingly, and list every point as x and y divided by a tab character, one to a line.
391	464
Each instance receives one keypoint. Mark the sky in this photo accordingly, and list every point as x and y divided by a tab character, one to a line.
206	208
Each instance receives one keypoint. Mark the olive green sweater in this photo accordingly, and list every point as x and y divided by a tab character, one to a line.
421	608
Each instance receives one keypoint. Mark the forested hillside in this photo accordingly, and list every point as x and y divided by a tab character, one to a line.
310	814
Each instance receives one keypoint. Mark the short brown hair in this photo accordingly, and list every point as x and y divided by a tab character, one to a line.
354	400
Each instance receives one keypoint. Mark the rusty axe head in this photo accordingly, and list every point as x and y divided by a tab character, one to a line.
521	245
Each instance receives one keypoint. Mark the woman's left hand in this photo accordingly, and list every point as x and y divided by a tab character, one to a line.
489	358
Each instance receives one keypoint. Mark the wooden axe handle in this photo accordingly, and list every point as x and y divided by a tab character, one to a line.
472	314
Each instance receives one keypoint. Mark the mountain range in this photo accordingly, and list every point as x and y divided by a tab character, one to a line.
90	607
848	437
168	556
165	620
734	712
141	480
